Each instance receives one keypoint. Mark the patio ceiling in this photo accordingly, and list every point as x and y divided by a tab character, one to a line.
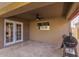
22	7
48	11
9	7
28	10
3	4
73	11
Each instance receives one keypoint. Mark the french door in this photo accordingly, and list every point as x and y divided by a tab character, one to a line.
13	32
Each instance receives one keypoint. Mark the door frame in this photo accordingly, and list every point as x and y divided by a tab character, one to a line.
14	37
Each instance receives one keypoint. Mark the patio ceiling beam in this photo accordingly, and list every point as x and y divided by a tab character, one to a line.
72	10
12	7
25	7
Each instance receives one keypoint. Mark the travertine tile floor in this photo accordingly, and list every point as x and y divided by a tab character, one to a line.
31	49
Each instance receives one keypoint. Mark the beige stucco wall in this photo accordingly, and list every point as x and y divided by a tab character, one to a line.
58	27
1	32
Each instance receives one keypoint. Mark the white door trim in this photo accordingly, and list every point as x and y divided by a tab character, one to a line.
14	29
6	44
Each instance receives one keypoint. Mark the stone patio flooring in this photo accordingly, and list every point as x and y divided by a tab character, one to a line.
31	49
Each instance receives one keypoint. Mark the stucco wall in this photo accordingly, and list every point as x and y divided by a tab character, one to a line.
1	32
58	27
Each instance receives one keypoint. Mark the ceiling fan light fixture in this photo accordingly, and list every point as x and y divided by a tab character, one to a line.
38	17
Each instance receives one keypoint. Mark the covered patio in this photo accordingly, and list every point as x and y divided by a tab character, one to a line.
35	29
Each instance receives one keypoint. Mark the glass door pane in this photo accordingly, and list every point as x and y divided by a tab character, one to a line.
9	32
18	32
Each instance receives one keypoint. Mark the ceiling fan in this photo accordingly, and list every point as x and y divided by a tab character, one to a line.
38	17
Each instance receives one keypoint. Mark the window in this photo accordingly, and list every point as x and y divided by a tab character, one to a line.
43	26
